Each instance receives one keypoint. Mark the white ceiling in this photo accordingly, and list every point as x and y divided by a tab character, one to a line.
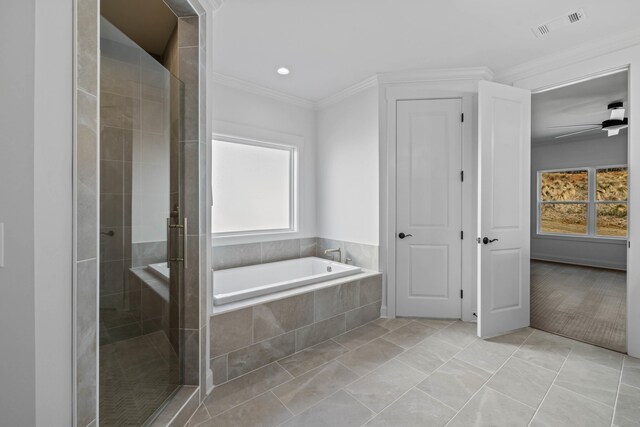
580	103
332	44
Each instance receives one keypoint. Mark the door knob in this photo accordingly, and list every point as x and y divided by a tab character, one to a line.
486	240
402	235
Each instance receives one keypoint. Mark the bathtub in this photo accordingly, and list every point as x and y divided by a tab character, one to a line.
237	284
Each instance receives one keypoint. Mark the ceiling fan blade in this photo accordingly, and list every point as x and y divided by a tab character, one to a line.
577	133
574	126
617	114
613	132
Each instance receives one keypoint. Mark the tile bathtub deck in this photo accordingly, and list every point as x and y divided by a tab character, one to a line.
415	372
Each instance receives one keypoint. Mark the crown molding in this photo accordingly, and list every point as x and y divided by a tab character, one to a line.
432	75
348	91
256	89
568	57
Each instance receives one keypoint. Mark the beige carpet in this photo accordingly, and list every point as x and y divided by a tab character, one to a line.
584	303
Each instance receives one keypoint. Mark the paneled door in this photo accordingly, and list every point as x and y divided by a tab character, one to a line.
504	163
429	208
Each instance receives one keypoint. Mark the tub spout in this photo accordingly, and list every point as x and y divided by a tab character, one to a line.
331	253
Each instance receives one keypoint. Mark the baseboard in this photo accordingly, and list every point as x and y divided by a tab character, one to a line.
383	311
579	261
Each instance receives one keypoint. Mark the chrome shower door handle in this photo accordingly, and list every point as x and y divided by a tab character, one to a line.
184	242
168	242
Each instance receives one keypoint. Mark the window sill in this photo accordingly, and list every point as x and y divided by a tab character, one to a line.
255	237
590	239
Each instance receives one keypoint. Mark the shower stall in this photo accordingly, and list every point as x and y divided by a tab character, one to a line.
141	224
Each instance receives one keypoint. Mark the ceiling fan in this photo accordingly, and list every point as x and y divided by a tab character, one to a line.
613	126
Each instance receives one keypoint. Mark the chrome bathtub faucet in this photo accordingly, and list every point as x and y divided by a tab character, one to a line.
331	253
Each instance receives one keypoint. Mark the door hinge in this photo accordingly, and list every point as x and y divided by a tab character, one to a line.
462	176
461	234
461	293
462	117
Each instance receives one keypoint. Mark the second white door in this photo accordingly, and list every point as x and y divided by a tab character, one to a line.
429	208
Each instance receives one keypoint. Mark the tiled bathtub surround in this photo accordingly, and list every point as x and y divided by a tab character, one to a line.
242	255
252	337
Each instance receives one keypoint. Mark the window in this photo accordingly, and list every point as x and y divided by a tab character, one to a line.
585	202
253	187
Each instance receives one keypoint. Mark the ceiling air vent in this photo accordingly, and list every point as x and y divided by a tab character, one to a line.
562	21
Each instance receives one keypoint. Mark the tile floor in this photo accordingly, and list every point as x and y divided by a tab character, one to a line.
422	372
136	376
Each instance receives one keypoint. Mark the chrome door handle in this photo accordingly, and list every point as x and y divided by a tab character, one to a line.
486	240
402	235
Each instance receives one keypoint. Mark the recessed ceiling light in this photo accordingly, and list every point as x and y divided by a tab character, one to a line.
283	71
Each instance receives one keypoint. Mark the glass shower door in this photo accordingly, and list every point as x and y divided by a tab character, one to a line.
140	232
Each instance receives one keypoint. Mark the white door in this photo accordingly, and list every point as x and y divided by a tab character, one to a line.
428	217
504	152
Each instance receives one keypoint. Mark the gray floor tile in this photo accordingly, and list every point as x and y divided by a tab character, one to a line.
200	416
306	360
631	371
415	408
590	380
435	323
628	407
381	387
241	389
339	409
523	381
368	357
409	335
459	334
392	324
360	336
490	408
263	411
546	350
564	408
454	383
602	356
308	389
429	355
487	355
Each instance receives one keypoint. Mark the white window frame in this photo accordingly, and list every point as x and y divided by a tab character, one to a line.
294	150
591	203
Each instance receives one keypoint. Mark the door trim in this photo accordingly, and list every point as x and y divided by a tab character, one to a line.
389	95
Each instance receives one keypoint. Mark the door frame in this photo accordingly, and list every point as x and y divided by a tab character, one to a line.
462	84
549	81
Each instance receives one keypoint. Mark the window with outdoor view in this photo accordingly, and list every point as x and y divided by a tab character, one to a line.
584	201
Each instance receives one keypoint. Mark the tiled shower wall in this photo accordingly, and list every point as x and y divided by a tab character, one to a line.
242	255
192	59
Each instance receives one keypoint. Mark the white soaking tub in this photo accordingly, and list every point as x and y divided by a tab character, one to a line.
237	284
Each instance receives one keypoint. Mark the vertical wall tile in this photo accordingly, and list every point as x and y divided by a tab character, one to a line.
277	317
362	315
188	34
219	369
323	244
280	250
236	256
231	331
320	331
87	331
362	255
308	247
370	289
335	300
87	49
249	358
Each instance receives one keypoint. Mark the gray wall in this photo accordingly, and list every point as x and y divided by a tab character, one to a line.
35	205
595	151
